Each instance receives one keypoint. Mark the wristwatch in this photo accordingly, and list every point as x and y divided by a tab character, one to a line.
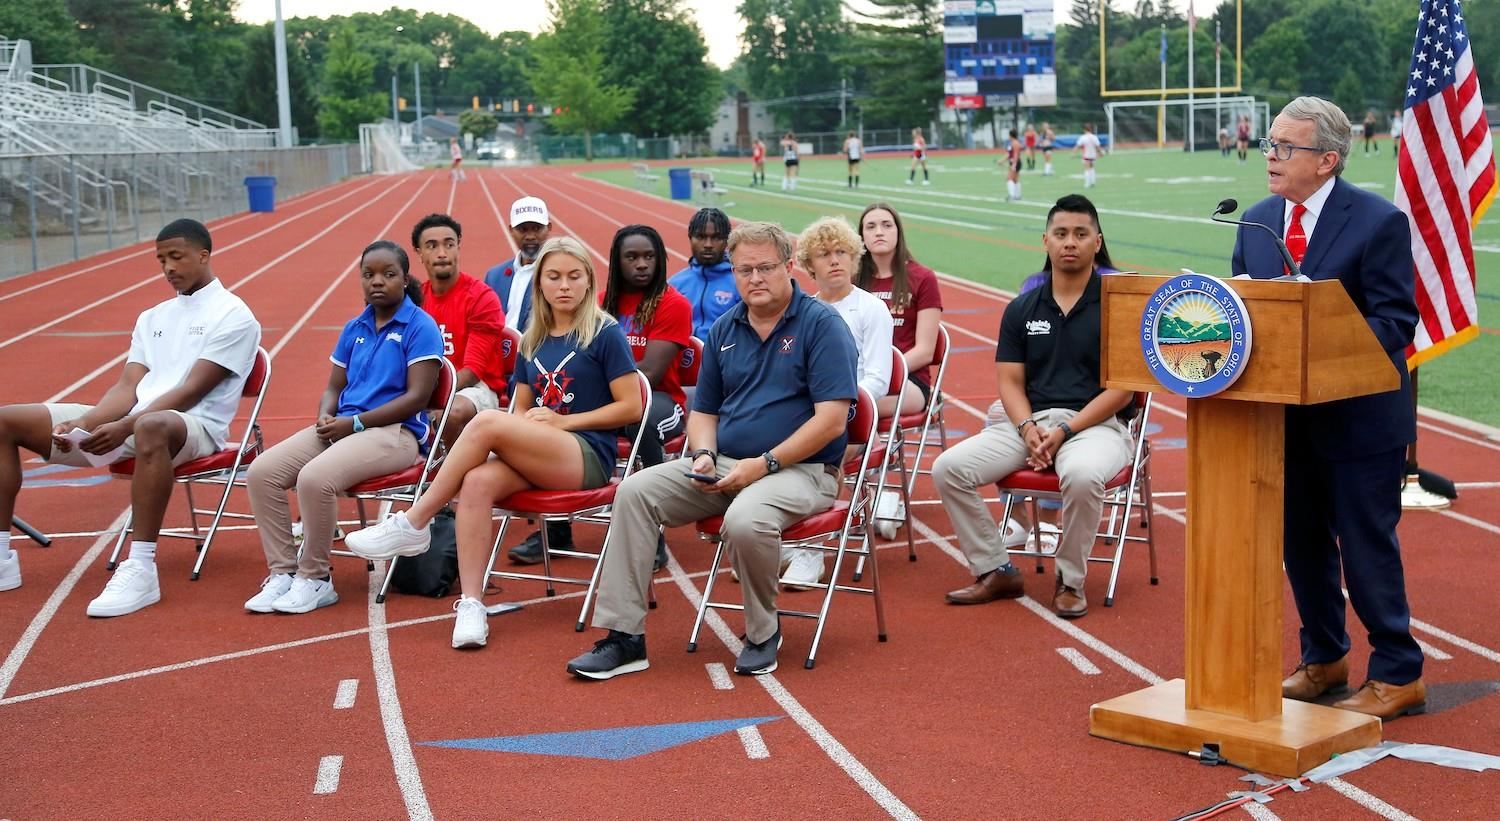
359	427
1021	428
705	452
772	463
1067	431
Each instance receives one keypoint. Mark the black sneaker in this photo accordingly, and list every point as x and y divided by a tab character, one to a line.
661	554
559	534
759	659
613	655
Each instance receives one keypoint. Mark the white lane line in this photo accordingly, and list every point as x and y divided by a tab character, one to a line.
146	245
343	699
1072	630
718	675
1476	485
1470	520
116	293
596	212
44	616
1078	660
559	223
408	778
755	745
831	746
1369	802
1432	652
495	209
329	768
1259	812
1457	641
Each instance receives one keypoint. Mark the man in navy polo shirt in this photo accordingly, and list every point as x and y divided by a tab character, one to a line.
511	279
1057	416
769	418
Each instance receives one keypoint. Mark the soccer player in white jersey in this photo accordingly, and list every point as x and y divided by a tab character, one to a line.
188	361
1089	148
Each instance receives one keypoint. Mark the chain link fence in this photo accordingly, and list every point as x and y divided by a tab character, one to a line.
55	208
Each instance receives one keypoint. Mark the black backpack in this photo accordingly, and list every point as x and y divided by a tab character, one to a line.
433	572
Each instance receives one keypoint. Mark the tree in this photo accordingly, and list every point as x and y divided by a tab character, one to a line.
899	51
348	77
793	48
569	72
652	45
256	95
46	23
479	122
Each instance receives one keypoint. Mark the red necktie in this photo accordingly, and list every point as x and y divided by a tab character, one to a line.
1296	238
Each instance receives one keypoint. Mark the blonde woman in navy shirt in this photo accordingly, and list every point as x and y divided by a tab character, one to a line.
575	387
371	421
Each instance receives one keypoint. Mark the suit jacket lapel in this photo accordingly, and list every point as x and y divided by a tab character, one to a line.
1332	221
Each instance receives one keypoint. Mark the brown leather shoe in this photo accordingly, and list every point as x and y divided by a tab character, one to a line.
996	584
1310	681
1069	603
1387	701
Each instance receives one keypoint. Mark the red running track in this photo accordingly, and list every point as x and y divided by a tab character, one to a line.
195	707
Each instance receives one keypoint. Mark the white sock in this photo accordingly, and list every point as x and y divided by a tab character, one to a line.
1047	171
145	551
5	546
784	183
1018	190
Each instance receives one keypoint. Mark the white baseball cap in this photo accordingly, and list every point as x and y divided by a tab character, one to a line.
528	209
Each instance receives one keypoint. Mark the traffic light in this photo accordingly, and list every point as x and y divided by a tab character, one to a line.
476	102
401	103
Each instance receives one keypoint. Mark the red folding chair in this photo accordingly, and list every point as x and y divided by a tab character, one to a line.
888	454
1126	492
407	485
921	423
221	468
590	506
845	525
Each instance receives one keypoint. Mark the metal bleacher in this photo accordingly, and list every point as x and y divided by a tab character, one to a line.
84	152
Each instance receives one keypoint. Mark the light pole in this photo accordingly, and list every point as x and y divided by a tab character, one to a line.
283	88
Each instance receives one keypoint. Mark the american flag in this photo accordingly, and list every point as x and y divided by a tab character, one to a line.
1445	177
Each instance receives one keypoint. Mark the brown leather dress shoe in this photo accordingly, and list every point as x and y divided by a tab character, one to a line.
1387	701
1310	681
993	585
1069	603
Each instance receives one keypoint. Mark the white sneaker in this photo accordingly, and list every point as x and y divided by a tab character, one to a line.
132	587
338	533
805	570
305	596
393	537
1012	533
885	530
10	572
273	588
1047	541
471	627
927	182
909	182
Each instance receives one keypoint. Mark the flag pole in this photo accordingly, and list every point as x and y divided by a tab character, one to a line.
1423	489
1161	110
1192	30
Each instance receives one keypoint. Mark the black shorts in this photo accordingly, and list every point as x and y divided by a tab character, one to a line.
925	388
854	160
1046	146
793	163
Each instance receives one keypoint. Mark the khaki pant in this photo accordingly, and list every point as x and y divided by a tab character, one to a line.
1083	464
753	520
199	442
319	471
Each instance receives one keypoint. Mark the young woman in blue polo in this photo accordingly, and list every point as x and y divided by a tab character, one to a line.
371	421
575	387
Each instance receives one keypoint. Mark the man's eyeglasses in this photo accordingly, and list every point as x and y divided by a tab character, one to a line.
1284	150
764	269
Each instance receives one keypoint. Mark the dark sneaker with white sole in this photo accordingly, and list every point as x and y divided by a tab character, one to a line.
759	659
529	551
614	655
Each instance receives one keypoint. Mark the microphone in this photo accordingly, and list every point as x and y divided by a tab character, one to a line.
1229	206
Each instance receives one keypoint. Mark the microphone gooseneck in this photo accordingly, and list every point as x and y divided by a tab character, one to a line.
1229	206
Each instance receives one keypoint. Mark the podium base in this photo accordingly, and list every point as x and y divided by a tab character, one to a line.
1302	737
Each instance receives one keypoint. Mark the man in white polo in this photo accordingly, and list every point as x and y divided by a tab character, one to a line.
188	361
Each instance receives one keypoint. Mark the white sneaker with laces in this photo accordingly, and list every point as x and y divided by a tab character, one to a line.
1012	533
132	587
305	596
393	537
273	588
10	572
805	570
471	627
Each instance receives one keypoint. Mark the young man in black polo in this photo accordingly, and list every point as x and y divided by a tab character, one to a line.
1058	417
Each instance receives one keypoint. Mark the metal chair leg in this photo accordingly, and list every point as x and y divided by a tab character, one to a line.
708	589
114	556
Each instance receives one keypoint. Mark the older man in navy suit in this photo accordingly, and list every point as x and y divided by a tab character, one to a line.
1344	459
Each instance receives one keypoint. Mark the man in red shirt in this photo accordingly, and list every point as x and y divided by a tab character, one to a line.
468	314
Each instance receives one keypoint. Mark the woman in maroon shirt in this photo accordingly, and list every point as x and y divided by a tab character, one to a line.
910	290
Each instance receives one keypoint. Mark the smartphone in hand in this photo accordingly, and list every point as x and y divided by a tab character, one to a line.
700	477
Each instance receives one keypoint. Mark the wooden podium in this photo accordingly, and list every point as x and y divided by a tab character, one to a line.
1310	345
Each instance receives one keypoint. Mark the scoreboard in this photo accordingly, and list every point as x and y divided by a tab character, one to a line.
999	53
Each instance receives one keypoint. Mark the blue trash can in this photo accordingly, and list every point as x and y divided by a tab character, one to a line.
262	192
681	183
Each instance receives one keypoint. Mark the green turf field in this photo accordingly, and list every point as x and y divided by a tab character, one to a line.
1154	208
